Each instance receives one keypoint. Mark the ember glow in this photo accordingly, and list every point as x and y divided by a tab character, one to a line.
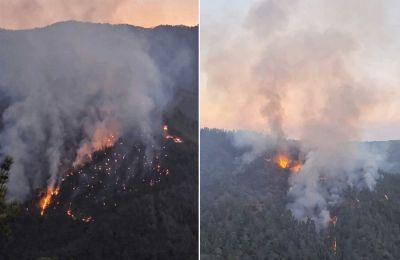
85	219
103	137
70	214
107	161
285	162
168	136
282	160
296	167
47	199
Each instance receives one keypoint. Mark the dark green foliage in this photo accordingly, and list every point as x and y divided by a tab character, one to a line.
144	221
151	222
368	224
8	210
243	215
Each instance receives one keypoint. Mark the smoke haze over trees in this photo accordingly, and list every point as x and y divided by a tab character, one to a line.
308	70
244	212
67	87
91	108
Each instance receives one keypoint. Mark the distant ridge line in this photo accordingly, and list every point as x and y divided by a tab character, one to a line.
70	22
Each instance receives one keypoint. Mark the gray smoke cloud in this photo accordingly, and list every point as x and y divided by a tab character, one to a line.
71	88
333	163
305	61
324	59
254	145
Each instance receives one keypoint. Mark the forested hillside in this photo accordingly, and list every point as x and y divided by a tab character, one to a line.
102	124
244	215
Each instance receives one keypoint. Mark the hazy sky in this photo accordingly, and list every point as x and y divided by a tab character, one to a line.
269	64
22	14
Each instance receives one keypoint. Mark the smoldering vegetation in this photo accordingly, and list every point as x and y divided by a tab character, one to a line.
68	87
107	114
245	213
117	206
301	68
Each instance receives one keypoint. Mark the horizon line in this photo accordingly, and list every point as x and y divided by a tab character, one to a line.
98	23
288	138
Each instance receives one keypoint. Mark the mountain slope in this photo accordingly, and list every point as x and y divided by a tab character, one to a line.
244	215
134	199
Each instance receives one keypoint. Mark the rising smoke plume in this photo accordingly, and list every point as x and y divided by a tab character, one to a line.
71	89
301	65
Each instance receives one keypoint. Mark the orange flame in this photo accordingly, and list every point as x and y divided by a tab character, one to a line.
284	162
296	167
167	136
101	139
46	200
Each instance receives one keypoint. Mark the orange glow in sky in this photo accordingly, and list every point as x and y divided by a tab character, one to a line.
24	14
276	66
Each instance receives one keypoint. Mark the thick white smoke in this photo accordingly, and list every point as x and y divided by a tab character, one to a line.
69	88
302	64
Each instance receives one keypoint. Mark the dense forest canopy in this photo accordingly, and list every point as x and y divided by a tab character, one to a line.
134	197
244	214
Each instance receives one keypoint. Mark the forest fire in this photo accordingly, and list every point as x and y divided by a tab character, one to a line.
101	139
101	142
86	219
284	162
71	214
296	167
177	140
108	168
98	164
46	200
168	136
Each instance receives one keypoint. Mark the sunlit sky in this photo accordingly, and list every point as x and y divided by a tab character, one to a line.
24	14
229	50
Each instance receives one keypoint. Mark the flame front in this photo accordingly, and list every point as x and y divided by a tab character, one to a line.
167	136
284	162
46	200
101	139
296	167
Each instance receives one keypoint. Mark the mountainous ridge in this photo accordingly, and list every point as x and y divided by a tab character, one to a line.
132	198
244	213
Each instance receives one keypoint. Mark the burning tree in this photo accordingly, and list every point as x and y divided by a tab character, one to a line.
7	210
